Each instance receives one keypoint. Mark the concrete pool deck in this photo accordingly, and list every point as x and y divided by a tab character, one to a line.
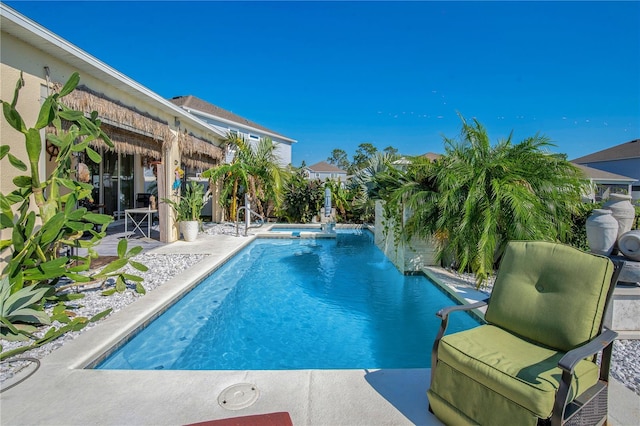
62	392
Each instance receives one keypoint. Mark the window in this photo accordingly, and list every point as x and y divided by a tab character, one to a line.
254	137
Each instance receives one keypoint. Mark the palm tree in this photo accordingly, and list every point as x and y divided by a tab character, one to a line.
266	176
366	185
232	174
253	170
480	196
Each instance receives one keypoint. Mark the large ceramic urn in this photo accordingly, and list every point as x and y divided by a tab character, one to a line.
602	231
629	245
622	210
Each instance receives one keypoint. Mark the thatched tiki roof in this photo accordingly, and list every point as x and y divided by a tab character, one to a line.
137	132
131	130
197	152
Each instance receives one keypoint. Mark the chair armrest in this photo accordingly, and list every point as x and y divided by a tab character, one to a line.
569	361
444	315
444	312
601	343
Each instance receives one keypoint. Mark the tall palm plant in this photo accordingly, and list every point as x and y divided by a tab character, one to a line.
367	183
233	175
253	170
266	177
480	196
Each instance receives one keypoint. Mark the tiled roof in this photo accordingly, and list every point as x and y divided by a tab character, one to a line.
324	167
197	104
623	151
597	174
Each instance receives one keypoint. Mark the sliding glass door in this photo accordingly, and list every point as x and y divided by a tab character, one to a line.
118	183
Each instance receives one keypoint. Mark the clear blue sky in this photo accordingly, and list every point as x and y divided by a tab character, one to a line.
335	74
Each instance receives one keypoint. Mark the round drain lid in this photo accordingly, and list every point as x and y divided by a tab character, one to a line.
238	396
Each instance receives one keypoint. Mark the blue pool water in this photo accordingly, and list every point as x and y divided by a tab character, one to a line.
297	304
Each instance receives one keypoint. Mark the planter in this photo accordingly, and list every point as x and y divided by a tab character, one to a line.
189	229
629	245
622	210
602	231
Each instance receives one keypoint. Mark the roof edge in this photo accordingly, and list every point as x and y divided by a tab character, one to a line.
45	34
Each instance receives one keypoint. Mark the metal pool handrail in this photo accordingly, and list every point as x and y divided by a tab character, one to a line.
247	222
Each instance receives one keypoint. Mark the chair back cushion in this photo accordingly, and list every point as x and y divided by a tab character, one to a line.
550	293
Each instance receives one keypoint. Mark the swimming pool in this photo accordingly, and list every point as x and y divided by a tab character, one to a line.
297	304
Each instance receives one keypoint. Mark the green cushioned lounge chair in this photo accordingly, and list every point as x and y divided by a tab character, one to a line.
534	361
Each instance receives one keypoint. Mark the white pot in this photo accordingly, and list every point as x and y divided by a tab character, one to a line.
622	210
602	231
189	229
629	245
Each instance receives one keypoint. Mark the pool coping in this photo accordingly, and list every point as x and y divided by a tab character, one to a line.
62	391
68	393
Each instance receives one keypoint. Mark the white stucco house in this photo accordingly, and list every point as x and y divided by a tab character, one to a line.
226	122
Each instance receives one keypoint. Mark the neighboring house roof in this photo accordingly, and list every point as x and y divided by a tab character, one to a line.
597	174
623	151
405	161
324	167
191	102
431	156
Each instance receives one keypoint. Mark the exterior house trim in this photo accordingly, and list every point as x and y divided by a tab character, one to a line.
619	159
235	123
175	136
604	178
226	122
32	33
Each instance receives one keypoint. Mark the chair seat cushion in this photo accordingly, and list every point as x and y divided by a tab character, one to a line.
520	371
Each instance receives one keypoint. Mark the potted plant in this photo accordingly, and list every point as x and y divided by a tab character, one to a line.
188	209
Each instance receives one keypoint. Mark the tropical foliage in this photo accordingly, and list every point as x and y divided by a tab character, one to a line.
302	199
42	220
364	153
190	204
254	171
478	196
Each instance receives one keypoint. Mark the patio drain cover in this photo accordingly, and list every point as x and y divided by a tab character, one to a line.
238	396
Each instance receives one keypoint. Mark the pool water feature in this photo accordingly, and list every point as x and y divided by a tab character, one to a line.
279	229
297	304
300	231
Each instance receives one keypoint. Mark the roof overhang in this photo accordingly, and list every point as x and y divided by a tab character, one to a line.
36	35
235	123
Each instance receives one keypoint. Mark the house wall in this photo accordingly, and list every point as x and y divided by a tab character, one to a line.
283	148
17	56
20	56
28	106
628	167
312	175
